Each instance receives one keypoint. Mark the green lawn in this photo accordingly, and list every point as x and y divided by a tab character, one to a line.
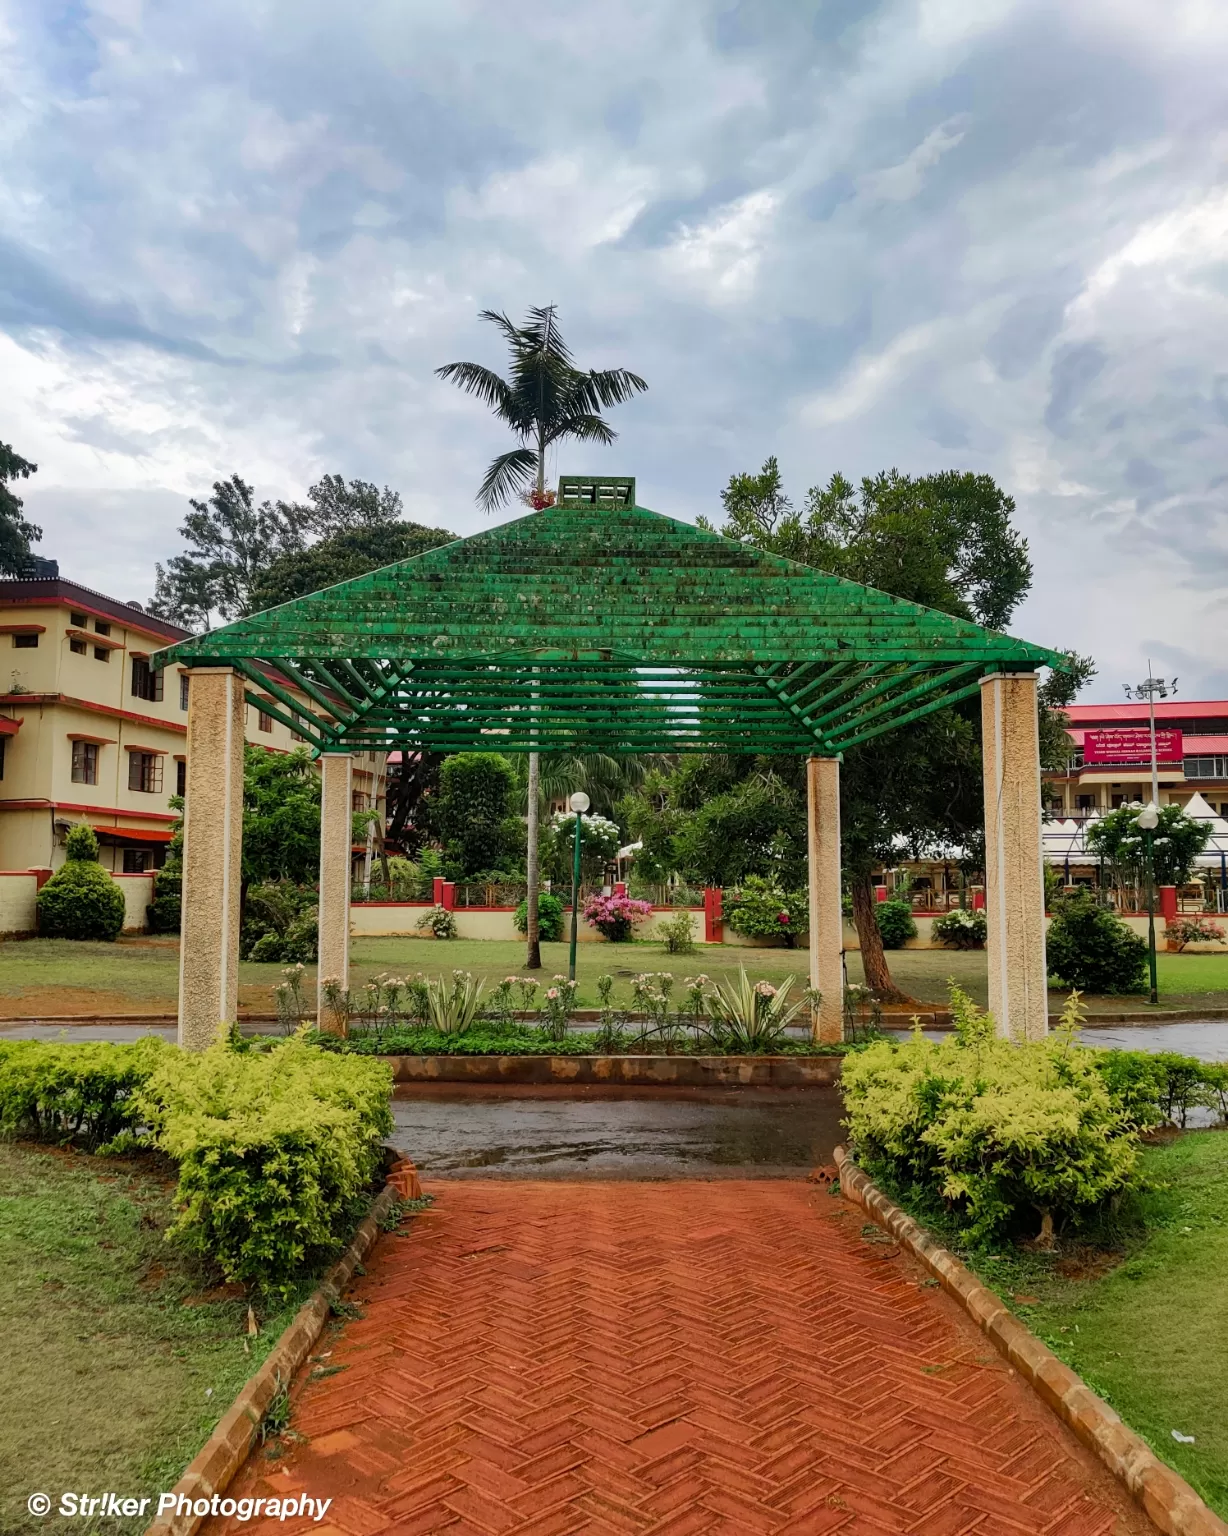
111	1380
58	976
1151	1334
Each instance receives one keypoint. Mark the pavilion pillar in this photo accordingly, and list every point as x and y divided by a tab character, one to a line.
336	839
212	856
826	913
1014	877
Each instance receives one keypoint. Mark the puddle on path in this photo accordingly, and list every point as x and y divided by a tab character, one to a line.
639	1134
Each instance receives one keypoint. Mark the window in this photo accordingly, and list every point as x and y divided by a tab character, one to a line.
100	628
26	642
183	690
77	620
181	777
101	653
77	647
146	683
85	762
294	736
264	721
358	801
1206	767
145	772
137	860
1086	802
2	743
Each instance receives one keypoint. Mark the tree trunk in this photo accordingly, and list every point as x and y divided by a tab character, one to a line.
533	949
873	956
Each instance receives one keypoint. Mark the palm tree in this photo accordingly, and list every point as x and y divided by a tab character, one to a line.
544	400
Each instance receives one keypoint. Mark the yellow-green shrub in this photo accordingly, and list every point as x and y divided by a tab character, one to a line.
84	1093
276	1152
1009	1135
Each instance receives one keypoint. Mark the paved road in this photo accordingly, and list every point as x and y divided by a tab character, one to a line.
668	1359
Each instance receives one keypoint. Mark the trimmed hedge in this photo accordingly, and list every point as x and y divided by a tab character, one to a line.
81	901
277	1144
549	917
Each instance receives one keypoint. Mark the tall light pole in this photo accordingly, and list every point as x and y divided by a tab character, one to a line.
1148	818
579	803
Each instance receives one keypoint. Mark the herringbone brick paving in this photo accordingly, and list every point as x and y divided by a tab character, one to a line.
665	1359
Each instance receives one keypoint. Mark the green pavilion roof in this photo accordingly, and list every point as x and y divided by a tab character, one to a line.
598	624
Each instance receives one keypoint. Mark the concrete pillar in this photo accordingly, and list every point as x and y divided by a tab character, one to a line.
826	913
212	857
336	839
1014	878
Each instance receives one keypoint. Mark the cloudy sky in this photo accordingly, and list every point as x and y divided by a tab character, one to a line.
984	234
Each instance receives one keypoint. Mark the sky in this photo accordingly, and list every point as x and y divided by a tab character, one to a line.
930	234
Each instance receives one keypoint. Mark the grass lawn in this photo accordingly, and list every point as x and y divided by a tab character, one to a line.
111	1381
141	975
1149	1333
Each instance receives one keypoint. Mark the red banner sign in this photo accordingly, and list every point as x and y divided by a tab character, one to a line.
1131	744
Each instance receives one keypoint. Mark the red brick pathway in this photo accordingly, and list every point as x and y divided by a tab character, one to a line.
668	1359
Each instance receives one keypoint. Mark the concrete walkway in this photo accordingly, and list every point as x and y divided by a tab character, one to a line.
540	1358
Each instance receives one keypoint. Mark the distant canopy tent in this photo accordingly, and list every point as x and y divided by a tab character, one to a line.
598	625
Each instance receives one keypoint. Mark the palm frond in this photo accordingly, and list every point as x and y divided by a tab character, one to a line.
474	379
506	477
600	389
585	428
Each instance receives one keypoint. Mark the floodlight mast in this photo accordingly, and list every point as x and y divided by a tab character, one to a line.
1151	689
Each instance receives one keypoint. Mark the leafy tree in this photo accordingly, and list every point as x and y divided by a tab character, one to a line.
471	814
1176	843
544	400
281	817
340	557
235	546
81	901
16	534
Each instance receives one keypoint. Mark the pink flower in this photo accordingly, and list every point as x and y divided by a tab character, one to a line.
782	917
553	993
765	989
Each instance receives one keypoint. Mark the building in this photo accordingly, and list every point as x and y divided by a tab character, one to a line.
90	732
1110	759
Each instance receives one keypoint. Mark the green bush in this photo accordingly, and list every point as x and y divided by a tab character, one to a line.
280	923
960	929
276	1152
439	922
1008	1135
549	917
762	910
1091	949
81	901
677	933
895	923
164	914
82	1093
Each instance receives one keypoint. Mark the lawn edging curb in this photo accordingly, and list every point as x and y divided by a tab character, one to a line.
629	1071
228	1447
1164	1495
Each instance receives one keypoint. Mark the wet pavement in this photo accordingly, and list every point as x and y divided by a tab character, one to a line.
615	1133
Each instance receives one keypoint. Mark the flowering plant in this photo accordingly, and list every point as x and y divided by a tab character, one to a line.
1193	930
556	1011
615	916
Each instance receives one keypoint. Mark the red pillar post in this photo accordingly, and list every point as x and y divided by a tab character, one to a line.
714	928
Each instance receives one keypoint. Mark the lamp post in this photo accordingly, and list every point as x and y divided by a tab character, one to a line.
579	803
1152	689
1148	819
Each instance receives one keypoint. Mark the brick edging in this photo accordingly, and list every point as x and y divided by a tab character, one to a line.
1165	1496
227	1448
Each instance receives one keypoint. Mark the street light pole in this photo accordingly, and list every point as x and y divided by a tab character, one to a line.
1148	818
579	803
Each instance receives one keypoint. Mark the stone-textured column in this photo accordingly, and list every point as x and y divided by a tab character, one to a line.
826	913
1014	878
336	838
212	857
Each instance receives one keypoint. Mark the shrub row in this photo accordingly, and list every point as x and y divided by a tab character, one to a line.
1044	1134
276	1148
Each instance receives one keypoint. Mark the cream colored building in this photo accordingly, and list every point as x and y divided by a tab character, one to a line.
90	733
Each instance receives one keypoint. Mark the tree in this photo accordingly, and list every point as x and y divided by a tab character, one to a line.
1176	843
241	554
16	534
544	400
281	817
340	557
944	540
471	814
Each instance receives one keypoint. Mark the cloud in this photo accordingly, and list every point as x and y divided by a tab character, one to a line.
916	232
